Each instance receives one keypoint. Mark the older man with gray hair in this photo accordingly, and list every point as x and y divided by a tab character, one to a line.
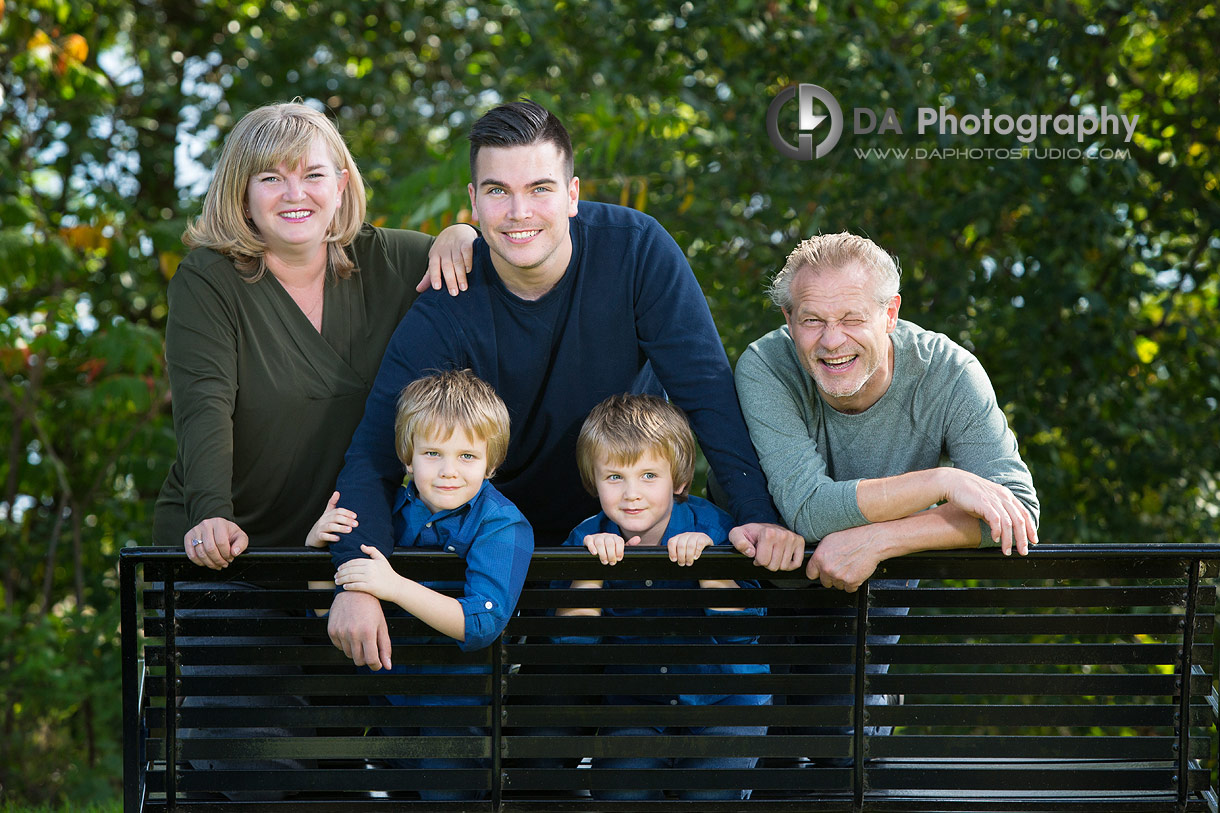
854	413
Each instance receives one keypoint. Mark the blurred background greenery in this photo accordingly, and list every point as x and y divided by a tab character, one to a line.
1087	285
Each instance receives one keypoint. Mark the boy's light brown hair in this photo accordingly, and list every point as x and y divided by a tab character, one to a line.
624	428
437	405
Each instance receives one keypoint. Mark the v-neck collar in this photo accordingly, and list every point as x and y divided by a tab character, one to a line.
328	352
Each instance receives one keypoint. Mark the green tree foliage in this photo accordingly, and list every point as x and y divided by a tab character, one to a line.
1086	285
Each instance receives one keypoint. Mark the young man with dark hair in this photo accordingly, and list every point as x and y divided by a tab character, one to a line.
568	304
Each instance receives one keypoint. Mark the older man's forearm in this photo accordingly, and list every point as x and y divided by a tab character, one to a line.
945	527
885	499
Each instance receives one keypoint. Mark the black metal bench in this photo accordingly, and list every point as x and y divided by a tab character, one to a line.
1078	678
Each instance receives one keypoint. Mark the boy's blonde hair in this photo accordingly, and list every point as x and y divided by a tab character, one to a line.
263	139
623	428
437	405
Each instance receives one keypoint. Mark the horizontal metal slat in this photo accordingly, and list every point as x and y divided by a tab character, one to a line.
304	654
1001	599
324	716
828	780
338	685
1008	747
1043	683
384	779
1028	624
670	654
1040	777
381	747
524	746
996	715
592	685
663	715
1024	653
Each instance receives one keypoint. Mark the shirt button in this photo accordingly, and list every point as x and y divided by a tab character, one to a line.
664	670
451	548
489	605
648	583
673	702
427	524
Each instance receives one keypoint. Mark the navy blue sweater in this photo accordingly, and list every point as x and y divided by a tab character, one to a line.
627	316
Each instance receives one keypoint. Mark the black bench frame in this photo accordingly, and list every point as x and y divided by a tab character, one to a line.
1129	626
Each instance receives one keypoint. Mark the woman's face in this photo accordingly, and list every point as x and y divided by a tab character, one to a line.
292	207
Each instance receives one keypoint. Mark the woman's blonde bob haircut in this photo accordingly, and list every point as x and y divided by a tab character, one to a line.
624	428
264	139
437	405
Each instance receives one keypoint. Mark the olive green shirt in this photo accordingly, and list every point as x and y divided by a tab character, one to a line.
264	405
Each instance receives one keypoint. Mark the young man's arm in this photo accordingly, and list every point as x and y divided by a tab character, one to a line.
424	340
680	339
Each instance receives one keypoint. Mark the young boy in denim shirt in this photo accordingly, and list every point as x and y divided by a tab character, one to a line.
451	432
636	454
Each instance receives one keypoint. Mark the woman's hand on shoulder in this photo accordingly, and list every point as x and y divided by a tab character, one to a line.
215	542
450	259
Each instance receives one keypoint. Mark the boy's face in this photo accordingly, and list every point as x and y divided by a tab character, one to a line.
638	498
448	471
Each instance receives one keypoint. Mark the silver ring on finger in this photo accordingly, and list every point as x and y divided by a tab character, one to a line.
196	543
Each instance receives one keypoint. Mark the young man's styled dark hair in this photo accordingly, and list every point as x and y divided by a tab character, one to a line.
519	124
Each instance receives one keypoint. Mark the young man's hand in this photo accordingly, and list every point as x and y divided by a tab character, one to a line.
769	545
373	575
608	547
357	627
334	520
685	548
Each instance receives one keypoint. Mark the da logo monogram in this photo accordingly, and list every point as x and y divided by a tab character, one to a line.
807	122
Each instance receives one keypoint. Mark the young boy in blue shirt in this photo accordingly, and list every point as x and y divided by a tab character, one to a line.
451	433
636	454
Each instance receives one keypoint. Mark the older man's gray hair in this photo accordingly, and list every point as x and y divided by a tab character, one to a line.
829	251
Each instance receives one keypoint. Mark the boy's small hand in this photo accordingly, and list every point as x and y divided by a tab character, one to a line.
373	575
608	547
685	548
334	520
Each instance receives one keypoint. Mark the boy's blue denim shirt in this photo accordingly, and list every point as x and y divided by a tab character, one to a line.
497	542
494	539
695	514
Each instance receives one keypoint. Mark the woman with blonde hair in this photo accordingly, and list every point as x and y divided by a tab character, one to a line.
278	318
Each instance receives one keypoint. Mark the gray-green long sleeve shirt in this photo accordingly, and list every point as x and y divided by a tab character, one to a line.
940	406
